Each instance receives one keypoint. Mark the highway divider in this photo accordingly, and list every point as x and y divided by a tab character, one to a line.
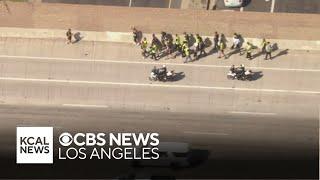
126	37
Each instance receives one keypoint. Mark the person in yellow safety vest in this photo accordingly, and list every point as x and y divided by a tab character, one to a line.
177	43
177	40
144	46
153	50
263	45
186	37
183	47
200	46
183	38
187	53
222	47
198	39
249	50
197	45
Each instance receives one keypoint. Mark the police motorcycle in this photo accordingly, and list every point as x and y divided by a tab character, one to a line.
161	74
240	73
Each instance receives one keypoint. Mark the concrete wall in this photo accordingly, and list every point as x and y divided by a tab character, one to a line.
155	20
126	37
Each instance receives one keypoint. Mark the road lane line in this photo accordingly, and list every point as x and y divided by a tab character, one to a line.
155	85
252	113
149	63
205	133
86	105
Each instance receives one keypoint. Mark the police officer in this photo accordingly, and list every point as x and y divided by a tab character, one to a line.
232	69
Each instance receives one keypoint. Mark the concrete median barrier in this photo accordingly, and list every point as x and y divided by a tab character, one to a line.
126	37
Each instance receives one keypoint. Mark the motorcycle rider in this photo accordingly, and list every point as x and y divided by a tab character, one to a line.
242	67
162	73
154	70
164	69
154	73
232	69
240	71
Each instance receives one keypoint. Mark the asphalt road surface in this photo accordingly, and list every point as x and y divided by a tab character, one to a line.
283	6
266	145
134	3
252	129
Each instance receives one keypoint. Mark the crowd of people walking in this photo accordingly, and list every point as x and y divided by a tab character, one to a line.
188	46
193	47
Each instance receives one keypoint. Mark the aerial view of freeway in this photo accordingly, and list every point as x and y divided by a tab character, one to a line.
144	89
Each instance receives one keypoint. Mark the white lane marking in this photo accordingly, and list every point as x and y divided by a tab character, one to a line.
86	105
252	113
149	63
205	133
156	85
272	6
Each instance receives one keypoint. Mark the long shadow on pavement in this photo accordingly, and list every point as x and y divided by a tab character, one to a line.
256	75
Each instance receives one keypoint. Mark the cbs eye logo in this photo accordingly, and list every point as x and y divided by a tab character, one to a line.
65	139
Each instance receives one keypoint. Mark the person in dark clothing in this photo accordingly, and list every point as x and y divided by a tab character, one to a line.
216	41
187	38
69	36
232	69
163	38
135	36
200	47
155	40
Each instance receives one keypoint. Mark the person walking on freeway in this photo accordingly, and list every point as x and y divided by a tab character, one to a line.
135	34
216	41
177	43
69	36
268	51
263	45
187	54
144	46
235	41
249	51
222	47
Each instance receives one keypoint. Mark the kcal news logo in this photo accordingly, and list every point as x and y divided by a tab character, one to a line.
34	145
